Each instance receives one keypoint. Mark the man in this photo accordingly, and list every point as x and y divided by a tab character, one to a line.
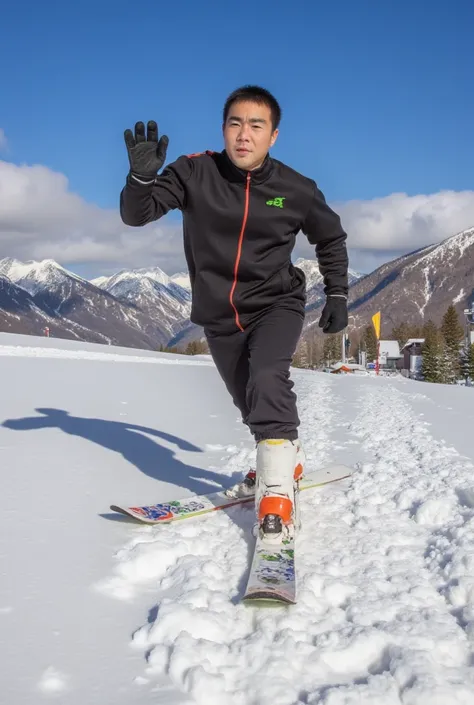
242	211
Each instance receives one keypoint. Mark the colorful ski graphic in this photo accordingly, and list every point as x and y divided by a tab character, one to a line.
197	505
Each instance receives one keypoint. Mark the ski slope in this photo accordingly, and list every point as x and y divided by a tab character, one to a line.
95	609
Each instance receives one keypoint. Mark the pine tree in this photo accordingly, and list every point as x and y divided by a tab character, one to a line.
448	365
453	333
328	350
431	352
400	333
403	332
451	329
332	349
164	348
470	363
300	358
429	330
338	347
315	347
196	347
370	343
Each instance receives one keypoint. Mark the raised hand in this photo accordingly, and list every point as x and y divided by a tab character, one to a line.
145	153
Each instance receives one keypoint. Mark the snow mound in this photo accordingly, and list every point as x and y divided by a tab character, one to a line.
128	613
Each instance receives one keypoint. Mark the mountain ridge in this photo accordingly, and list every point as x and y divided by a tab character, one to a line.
147	308
417	286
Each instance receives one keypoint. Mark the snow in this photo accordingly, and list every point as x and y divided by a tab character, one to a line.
182	279
445	255
35	276
311	271
412	341
389	348
313	275
132	277
97	609
100	282
452	247
153	291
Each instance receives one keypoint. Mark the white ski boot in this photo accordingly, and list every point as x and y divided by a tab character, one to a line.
276	501
246	487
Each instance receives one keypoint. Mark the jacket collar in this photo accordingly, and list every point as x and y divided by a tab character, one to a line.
235	174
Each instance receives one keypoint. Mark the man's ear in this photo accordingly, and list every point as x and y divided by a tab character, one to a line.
274	137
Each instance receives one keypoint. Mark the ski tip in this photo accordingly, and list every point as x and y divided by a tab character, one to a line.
139	515
116	508
267	599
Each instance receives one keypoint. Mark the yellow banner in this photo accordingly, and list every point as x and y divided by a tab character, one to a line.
376	322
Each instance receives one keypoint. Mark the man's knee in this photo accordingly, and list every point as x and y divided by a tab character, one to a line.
267	378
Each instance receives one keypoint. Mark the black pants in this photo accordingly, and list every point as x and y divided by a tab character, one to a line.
255	367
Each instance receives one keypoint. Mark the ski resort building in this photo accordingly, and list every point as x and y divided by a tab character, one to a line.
389	355
412	357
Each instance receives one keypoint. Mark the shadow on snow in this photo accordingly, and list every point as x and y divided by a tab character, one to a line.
131	442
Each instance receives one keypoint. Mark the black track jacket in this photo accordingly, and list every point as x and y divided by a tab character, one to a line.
239	231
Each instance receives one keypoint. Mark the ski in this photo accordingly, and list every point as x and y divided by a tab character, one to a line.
198	505
272	577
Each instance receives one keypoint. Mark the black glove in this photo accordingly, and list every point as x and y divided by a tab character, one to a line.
146	154
334	317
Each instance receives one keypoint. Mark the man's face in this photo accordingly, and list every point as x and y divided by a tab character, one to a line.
248	134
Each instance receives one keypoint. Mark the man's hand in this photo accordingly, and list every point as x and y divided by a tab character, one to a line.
145	153
334	317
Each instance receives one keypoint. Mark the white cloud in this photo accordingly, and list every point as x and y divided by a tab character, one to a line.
384	228
41	218
3	140
401	222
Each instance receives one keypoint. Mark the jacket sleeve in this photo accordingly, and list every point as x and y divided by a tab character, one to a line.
142	202
322	227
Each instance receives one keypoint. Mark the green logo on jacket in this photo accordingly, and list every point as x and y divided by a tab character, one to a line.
278	202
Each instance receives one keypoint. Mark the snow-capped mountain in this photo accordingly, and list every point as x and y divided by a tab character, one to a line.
314	296
36	277
146	307
18	310
138	308
182	279
314	280
71	306
418	286
132	275
164	302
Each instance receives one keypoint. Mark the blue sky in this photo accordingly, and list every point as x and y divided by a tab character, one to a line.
377	96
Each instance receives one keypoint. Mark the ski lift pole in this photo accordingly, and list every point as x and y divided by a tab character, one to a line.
469	314
345	344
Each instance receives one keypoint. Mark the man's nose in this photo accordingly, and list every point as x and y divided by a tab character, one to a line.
244	132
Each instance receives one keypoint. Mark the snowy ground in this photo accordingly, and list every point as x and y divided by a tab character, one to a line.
95	609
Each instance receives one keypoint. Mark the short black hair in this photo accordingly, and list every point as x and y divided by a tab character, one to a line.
255	94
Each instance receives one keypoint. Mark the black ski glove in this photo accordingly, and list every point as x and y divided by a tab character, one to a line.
146	155
334	317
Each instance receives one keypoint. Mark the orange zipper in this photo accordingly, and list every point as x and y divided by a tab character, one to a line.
239	251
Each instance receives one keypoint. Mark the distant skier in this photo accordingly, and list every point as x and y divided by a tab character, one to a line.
242	211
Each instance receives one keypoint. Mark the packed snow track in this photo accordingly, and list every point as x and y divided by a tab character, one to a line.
95	608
